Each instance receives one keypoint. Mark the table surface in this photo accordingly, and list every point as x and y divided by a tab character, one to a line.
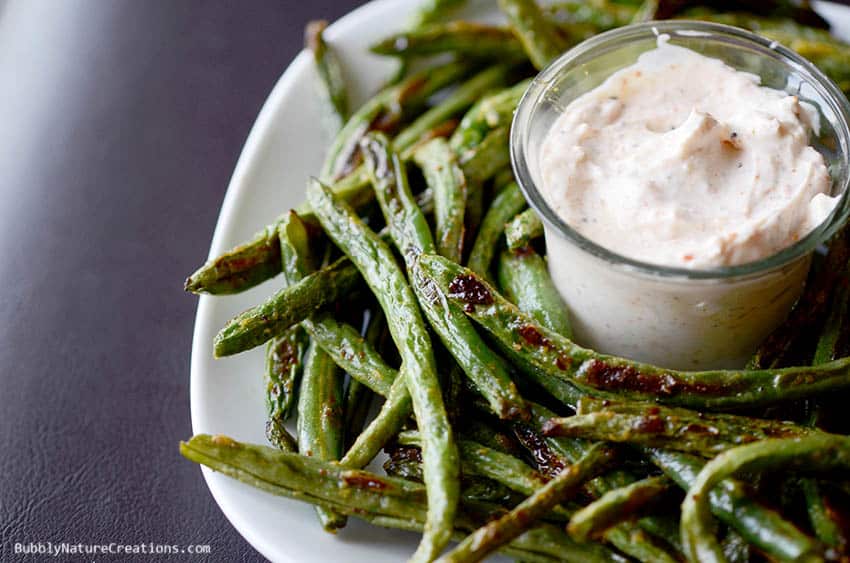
121	124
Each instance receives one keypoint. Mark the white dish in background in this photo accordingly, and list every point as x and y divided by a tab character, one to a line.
286	146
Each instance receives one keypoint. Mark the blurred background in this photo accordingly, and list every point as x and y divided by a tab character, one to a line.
120	124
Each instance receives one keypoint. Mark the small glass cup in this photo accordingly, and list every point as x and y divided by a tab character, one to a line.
675	317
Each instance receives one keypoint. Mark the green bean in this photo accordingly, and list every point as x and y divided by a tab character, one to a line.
433	11
485	160
405	462
545	539
357	356
351	352
525	280
307	478
537	35
809	310
480	489
384	501
331	87
542	544
477	430
412	236
285	308
600	15
258	260
407	225
596	373
320	417
444	176
810	453
523	228
799	12
478	459
673	429
284	363
469	39
358	404
616	506
279	436
732	503
817	45
481	144
507	204
240	268
377	266
648	11
427	13
821	517
394	413
299	252
501	181
499	532
557	452
285	354
491	112
484	368
385	110
830	55
255	261
735	547
464	96
830	341
666	527
358	398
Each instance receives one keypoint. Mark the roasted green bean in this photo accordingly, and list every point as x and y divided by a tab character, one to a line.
376	263
491	536
810	453
412	237
285	308
523	228
616	506
508	203
320	432
733	504
284	363
331	89
674	429
602	374
524	278
538	36
446	179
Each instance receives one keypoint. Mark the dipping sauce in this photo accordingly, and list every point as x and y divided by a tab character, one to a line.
677	192
680	160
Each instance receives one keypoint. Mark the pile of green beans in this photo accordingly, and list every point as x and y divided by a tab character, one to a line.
415	274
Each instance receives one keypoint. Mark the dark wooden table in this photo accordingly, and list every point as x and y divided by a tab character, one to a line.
120	124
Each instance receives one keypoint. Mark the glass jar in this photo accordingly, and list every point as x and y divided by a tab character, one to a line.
676	317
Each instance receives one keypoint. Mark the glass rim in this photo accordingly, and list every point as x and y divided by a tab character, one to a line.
539	86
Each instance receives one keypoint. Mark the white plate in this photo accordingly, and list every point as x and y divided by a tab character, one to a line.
284	148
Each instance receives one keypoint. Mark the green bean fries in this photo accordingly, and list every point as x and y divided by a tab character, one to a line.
415	273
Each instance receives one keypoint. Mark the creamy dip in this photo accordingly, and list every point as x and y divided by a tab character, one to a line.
681	160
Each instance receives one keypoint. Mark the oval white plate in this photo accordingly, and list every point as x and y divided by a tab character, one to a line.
285	147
